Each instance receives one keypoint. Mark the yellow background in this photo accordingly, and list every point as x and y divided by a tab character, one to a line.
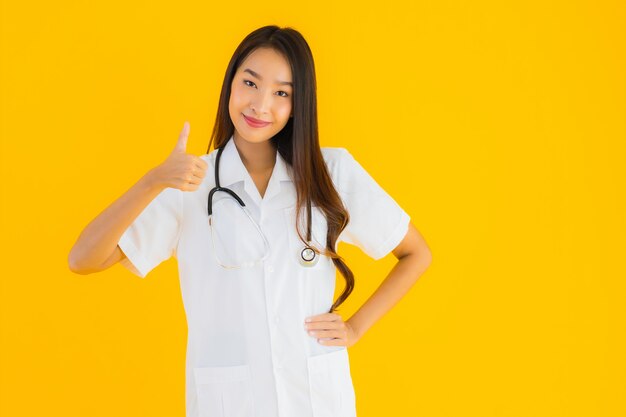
499	127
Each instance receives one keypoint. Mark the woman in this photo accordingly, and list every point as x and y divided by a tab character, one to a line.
256	242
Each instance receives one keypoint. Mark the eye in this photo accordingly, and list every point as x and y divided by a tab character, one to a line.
253	84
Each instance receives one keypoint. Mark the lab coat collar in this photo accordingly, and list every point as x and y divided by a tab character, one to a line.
232	170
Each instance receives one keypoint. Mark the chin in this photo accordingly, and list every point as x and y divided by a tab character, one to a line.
252	137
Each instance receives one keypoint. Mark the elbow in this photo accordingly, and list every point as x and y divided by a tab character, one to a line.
75	266
424	253
423	257
428	259
72	265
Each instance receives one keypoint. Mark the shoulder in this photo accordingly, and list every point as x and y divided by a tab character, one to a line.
341	165
336	158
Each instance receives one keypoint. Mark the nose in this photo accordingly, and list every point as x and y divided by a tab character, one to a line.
262	102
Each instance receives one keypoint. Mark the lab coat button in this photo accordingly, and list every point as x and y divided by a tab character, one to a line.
276	319
270	269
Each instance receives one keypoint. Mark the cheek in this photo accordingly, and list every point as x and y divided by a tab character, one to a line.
239	91
235	96
284	110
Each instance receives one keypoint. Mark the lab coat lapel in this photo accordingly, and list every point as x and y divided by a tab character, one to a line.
279	176
232	170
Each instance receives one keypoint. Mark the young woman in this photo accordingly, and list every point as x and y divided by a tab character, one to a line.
254	225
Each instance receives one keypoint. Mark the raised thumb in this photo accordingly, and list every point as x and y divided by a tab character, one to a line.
181	145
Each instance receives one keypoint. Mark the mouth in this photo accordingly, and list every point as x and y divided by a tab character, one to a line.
255	122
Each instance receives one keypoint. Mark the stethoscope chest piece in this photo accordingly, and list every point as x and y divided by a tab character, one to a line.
308	257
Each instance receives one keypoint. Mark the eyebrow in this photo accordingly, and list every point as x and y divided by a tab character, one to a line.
254	74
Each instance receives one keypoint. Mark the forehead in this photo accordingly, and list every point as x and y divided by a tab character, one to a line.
268	63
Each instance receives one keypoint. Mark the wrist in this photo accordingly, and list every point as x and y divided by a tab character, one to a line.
355	329
150	181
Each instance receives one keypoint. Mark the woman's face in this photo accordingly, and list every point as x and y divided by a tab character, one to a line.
261	89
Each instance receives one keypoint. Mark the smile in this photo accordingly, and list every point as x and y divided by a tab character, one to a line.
254	122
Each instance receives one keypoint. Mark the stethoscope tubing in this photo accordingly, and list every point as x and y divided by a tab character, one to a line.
308	256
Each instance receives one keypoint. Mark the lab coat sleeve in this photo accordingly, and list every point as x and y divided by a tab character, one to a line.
377	222
153	236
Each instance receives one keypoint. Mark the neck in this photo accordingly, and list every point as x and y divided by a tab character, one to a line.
257	157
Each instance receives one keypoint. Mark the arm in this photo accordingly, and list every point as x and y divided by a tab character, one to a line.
414	257
97	246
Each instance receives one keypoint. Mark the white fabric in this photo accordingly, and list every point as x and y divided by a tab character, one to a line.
248	353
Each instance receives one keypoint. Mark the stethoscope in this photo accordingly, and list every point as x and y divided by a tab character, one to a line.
308	256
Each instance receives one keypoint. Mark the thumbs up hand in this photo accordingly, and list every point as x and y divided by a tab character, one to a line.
181	170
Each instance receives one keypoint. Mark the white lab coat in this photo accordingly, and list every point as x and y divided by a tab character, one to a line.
248	353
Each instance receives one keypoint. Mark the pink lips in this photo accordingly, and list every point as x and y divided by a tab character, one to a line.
255	122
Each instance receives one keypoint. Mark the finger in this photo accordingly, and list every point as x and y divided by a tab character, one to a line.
201	164
323	317
325	325
181	144
333	342
190	187
192	179
198	175
199	167
320	334
198	171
